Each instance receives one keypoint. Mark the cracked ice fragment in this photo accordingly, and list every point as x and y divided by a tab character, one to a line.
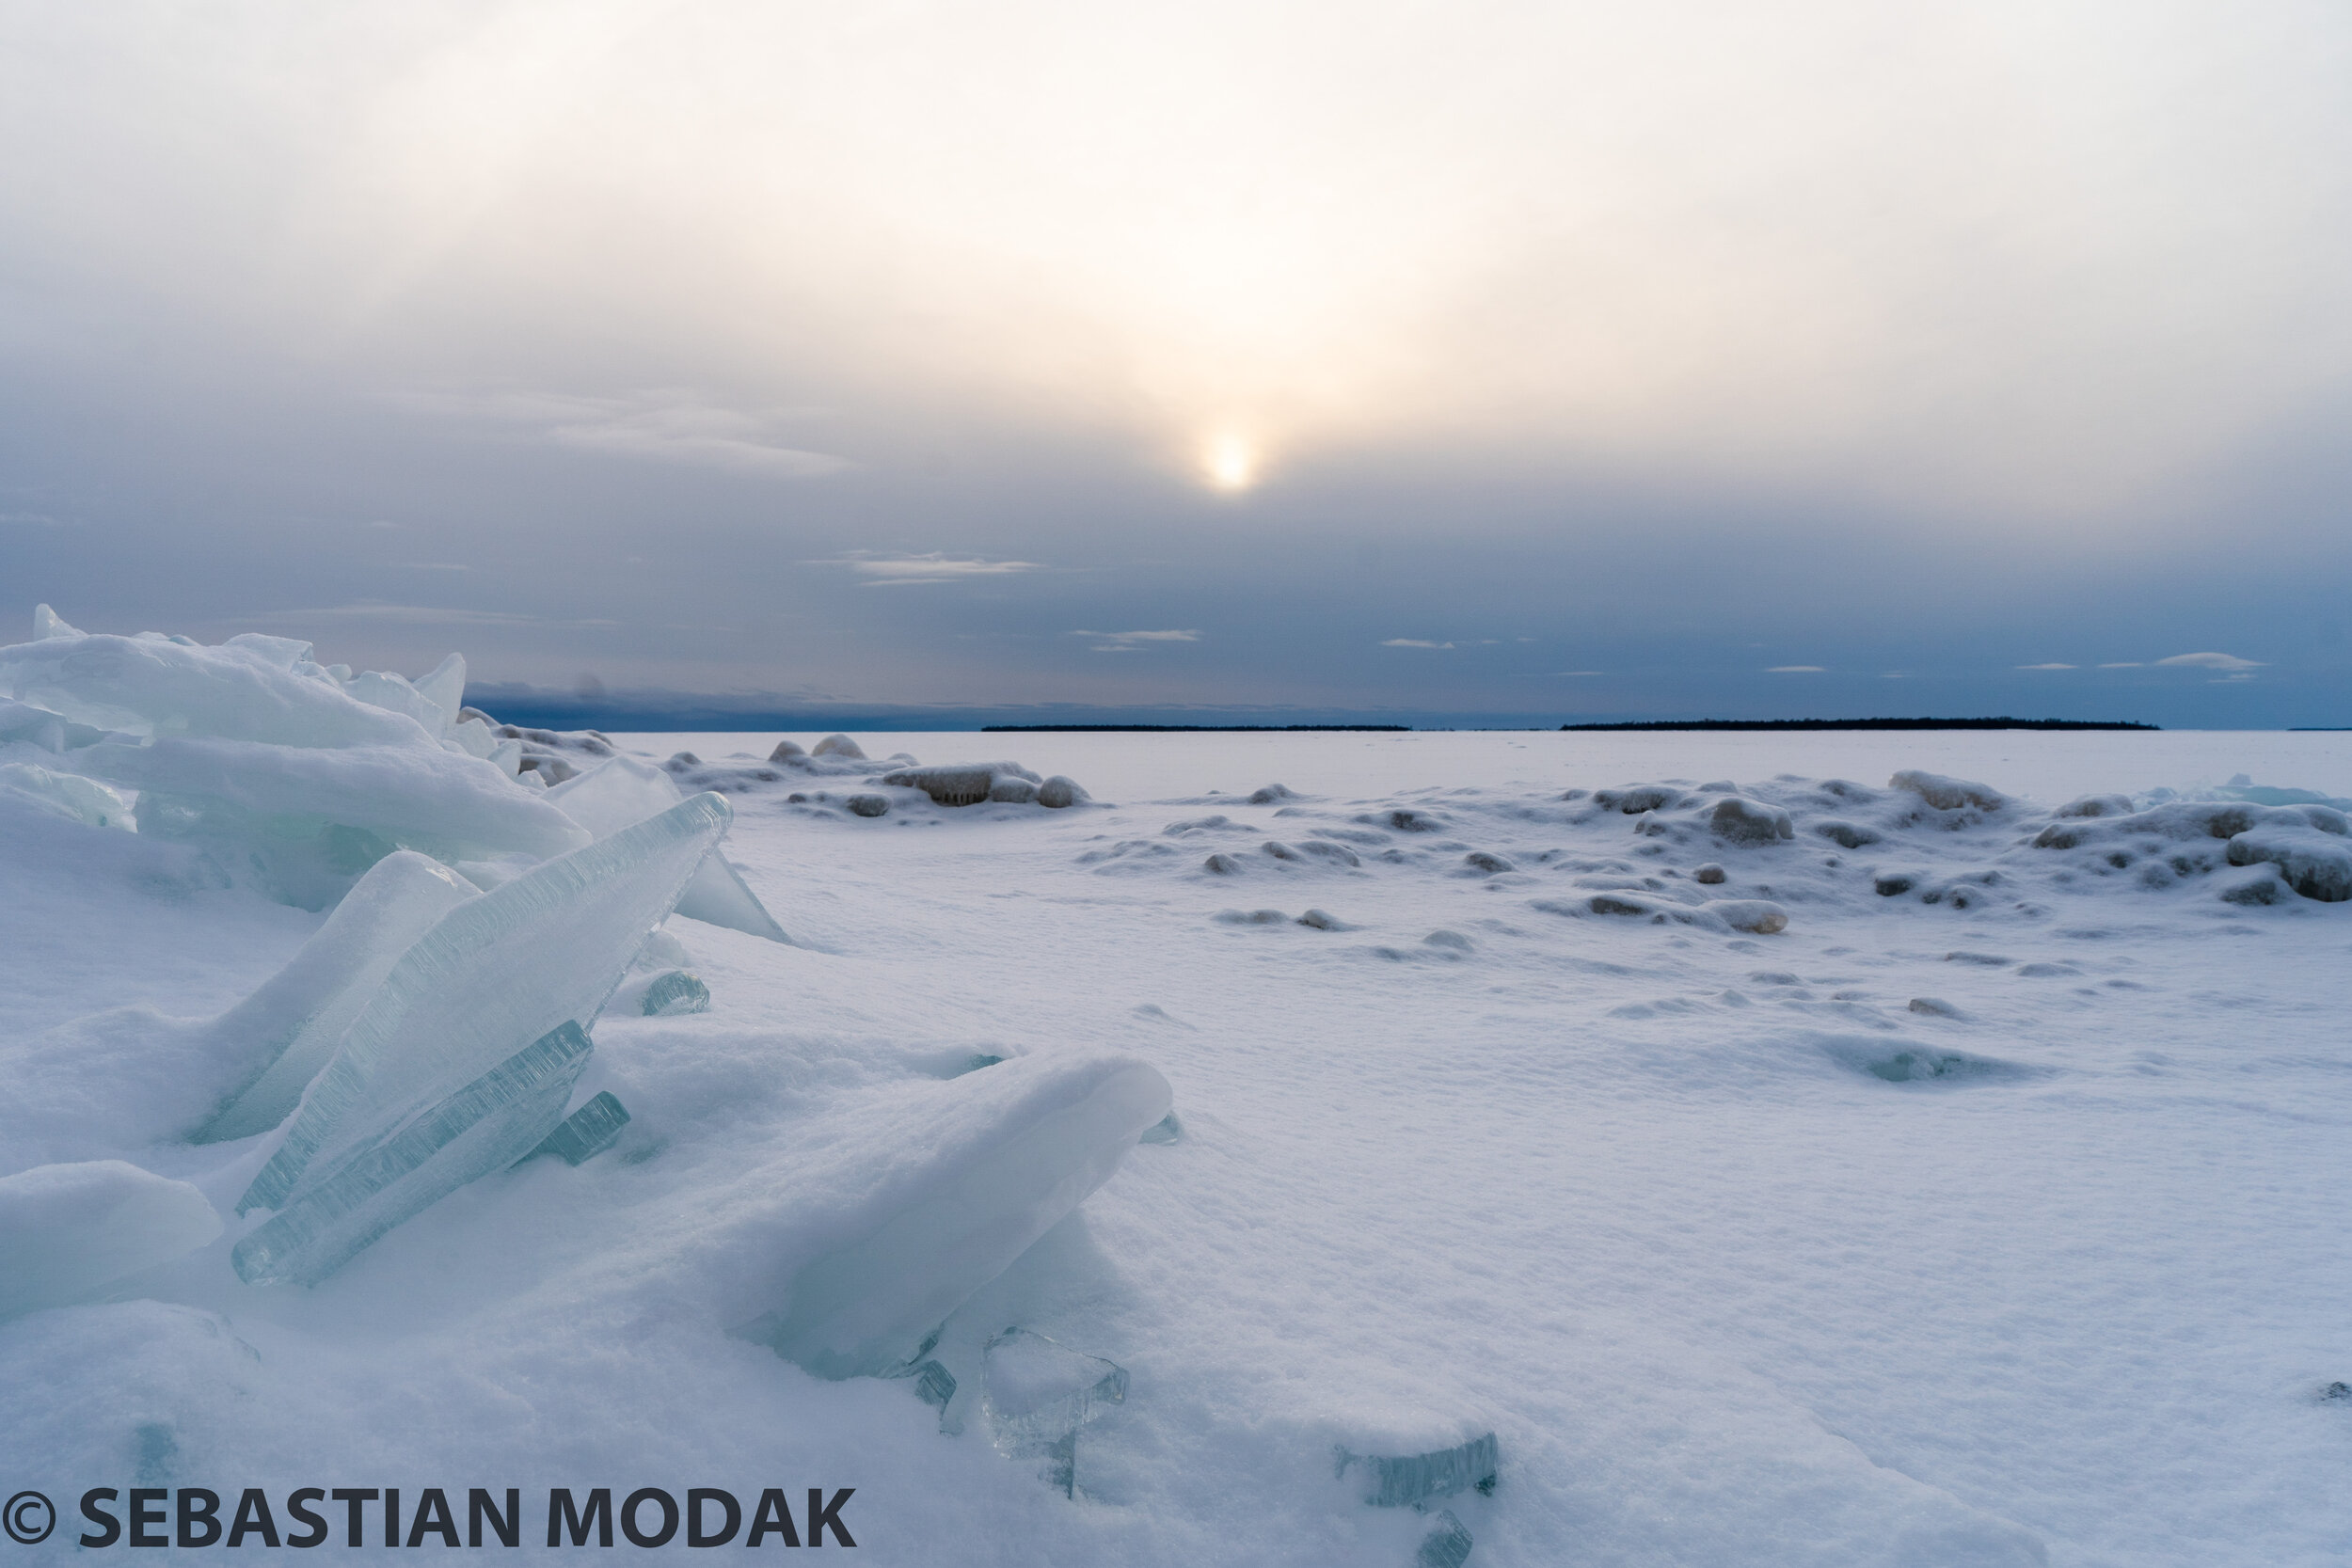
1038	1393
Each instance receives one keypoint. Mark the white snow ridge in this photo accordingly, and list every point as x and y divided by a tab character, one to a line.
1448	1156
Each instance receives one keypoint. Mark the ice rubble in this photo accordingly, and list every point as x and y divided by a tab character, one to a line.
470	1019
67	1230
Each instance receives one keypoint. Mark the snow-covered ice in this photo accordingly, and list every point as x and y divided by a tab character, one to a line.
1949	1176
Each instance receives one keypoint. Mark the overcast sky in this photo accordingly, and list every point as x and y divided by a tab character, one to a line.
1517	361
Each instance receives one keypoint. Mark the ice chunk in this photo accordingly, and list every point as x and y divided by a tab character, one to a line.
393	693
1446	1545
675	992
1165	1131
785	752
866	805
237	691
1267	795
1405	1481
66	1230
1060	792
445	689
1947	794
1038	1393
495	973
837	746
2096	805
719	897
355	1196
963	1188
1735	820
77	799
663	995
305	821
289	1028
1013	791
2317	864
47	622
1711	874
475	739
936	1385
614	794
587	1131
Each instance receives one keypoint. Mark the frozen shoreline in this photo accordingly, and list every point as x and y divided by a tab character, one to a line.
1743	1256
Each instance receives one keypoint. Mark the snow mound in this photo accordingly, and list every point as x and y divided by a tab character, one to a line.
67	1230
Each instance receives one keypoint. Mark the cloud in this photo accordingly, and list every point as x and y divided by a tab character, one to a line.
1412	643
2124	664
1796	669
904	571
2050	666
1134	642
670	424
409	614
2212	661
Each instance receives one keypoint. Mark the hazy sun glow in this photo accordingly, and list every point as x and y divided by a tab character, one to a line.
1230	462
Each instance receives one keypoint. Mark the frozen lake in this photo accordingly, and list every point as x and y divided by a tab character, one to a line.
1991	1219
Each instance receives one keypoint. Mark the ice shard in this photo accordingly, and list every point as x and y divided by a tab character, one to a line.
351	1199
1038	1393
614	794
935	1386
67	1230
289	1029
493	976
974	1170
1446	1545
1405	1480
587	1131
719	897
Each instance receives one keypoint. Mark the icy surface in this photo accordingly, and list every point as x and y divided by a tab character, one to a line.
1986	1221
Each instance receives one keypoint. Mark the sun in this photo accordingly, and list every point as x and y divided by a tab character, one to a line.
1230	462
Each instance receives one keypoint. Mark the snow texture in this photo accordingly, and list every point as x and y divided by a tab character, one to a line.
1899	1234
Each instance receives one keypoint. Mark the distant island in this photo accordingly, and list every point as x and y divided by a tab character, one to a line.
1872	724
1177	729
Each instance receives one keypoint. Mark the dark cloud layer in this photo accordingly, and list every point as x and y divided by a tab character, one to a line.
1870	367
